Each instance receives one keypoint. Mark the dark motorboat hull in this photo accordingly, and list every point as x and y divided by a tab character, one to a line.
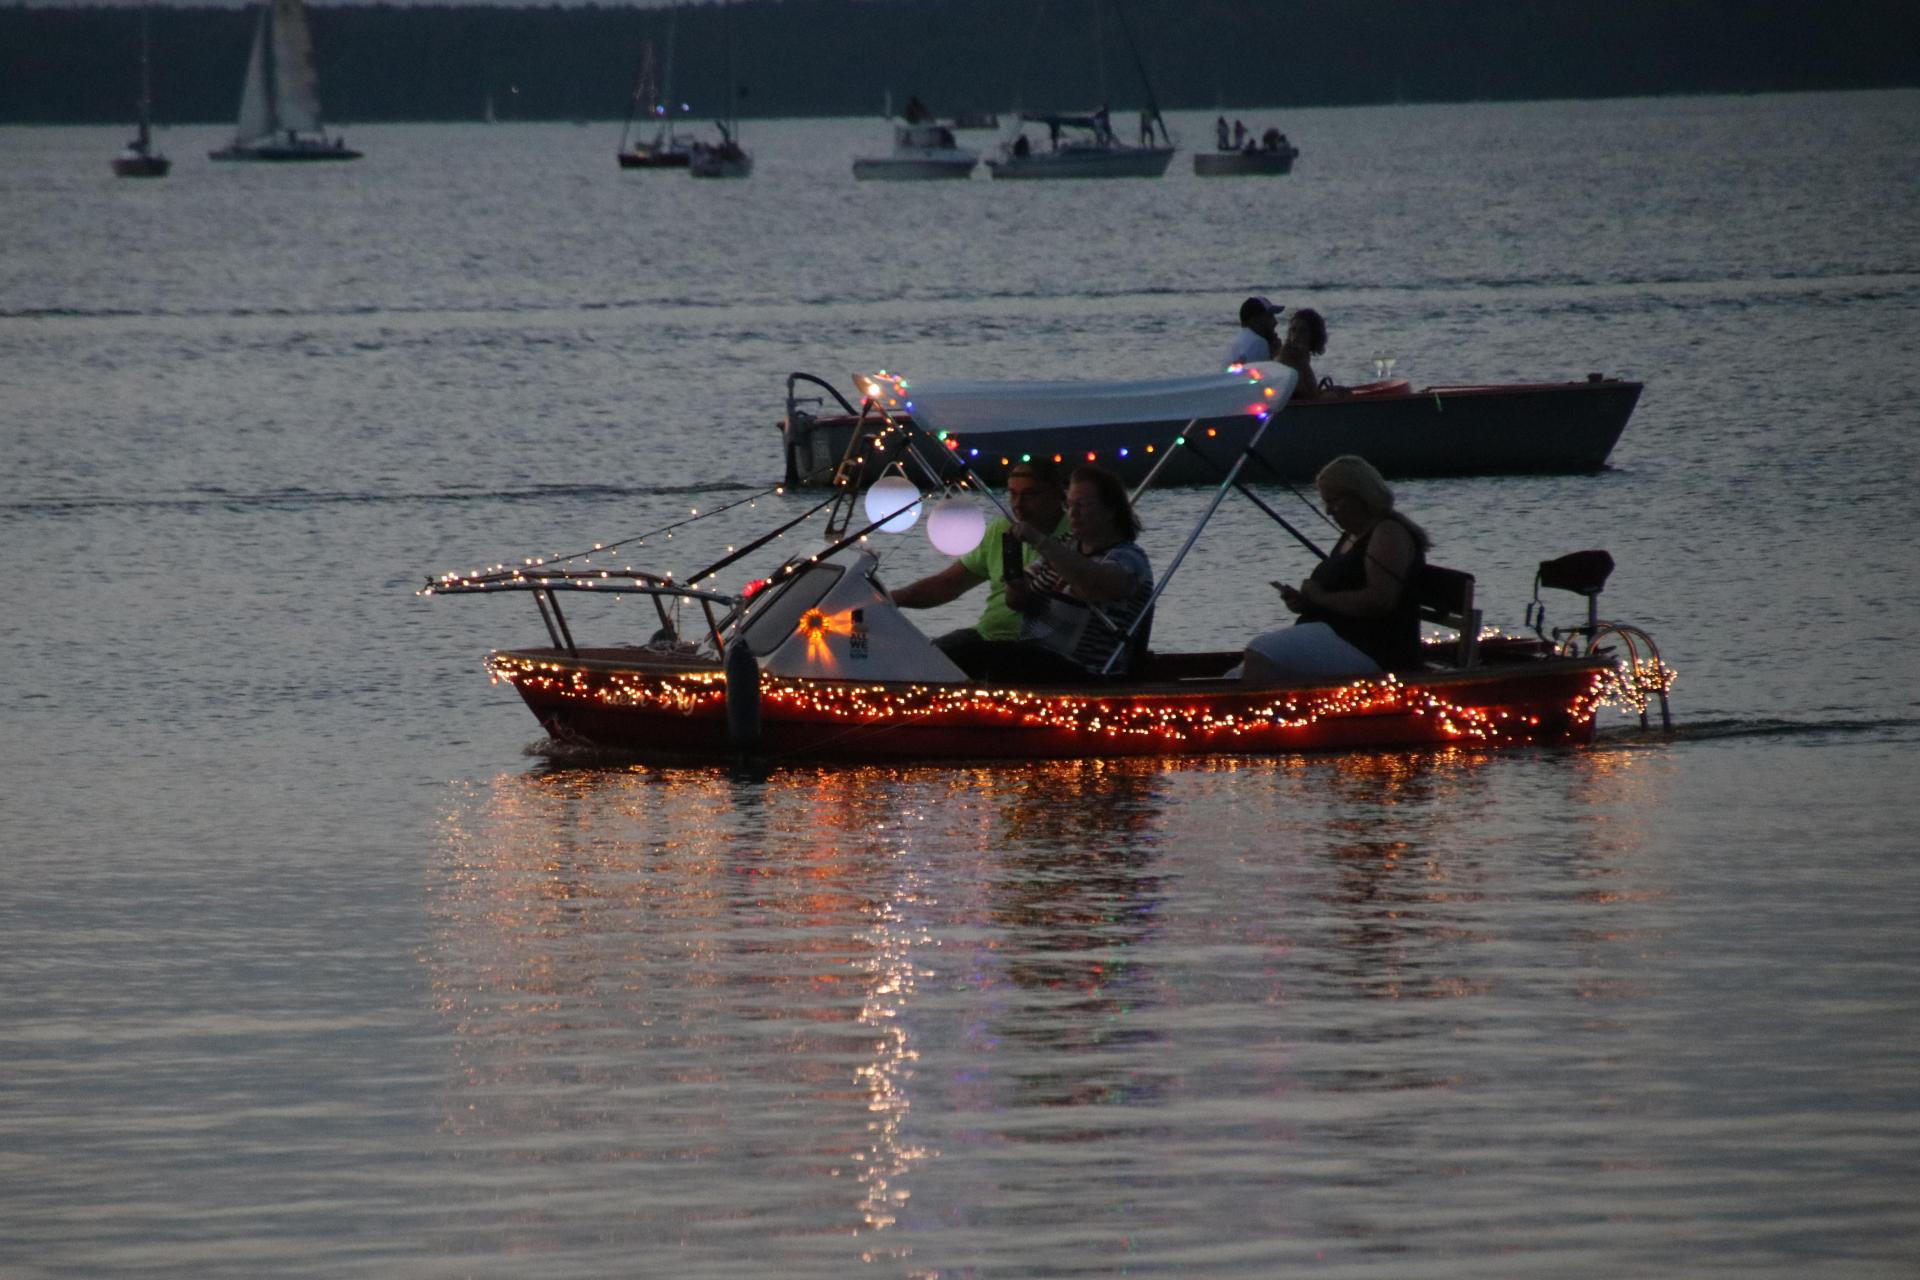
284	155
141	166
1235	164
629	702
640	158
1550	428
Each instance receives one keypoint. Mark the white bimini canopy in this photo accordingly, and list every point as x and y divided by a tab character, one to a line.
984	408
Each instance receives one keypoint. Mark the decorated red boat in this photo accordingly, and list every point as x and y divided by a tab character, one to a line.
666	705
816	662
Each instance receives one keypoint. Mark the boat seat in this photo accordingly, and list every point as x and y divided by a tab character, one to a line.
1444	597
1584	573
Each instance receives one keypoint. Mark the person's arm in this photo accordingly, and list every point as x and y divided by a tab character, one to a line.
1389	562
1092	579
937	589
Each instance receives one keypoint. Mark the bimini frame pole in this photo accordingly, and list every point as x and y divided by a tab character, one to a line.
1179	441
1193	535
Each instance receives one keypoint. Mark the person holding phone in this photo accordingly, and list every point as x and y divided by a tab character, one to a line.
1357	616
1037	499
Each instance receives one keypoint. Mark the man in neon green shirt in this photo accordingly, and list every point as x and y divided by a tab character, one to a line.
1035	495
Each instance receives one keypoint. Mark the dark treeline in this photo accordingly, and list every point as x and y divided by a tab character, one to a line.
838	57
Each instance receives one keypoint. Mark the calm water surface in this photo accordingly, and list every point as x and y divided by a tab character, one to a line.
312	969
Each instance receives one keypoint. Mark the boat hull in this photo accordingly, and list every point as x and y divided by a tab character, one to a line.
141	166
627	702
1238	164
640	158
299	153
1088	162
709	162
1543	428
913	168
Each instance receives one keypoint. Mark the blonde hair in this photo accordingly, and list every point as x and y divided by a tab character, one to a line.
1356	476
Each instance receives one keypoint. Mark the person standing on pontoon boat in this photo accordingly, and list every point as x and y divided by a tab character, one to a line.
1082	594
1358	616
1035	496
1259	337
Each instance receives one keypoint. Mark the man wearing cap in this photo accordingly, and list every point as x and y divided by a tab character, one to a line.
1259	337
1036	496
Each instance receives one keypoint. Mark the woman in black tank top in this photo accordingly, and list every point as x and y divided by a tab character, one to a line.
1367	618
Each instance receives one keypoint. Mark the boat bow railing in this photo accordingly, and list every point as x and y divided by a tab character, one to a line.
546	584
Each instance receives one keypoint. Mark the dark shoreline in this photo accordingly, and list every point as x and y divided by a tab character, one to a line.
841	57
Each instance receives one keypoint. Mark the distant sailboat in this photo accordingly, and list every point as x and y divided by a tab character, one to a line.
656	98
280	104
1083	144
725	158
139	159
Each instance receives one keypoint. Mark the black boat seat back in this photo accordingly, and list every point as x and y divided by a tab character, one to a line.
1444	597
1584	573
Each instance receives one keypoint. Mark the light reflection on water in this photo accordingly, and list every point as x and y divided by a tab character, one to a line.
910	1009
275	1006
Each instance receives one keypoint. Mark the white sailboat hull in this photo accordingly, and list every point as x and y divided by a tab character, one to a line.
915	168
1085	162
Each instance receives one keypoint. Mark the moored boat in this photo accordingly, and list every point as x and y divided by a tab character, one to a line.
280	118
725	158
653	95
140	158
1273	161
1077	146
816	662
922	150
1085	145
1187	426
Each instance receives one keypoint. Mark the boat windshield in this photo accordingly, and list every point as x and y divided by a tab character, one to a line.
773	620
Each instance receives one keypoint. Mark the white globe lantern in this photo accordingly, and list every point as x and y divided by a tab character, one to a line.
955	526
887	496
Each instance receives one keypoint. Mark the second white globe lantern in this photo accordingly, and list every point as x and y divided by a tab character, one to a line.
955	526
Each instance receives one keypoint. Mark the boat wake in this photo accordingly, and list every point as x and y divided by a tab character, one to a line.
1732	727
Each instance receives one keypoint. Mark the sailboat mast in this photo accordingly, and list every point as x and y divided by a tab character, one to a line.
270	64
666	76
641	85
1126	34
733	90
146	85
